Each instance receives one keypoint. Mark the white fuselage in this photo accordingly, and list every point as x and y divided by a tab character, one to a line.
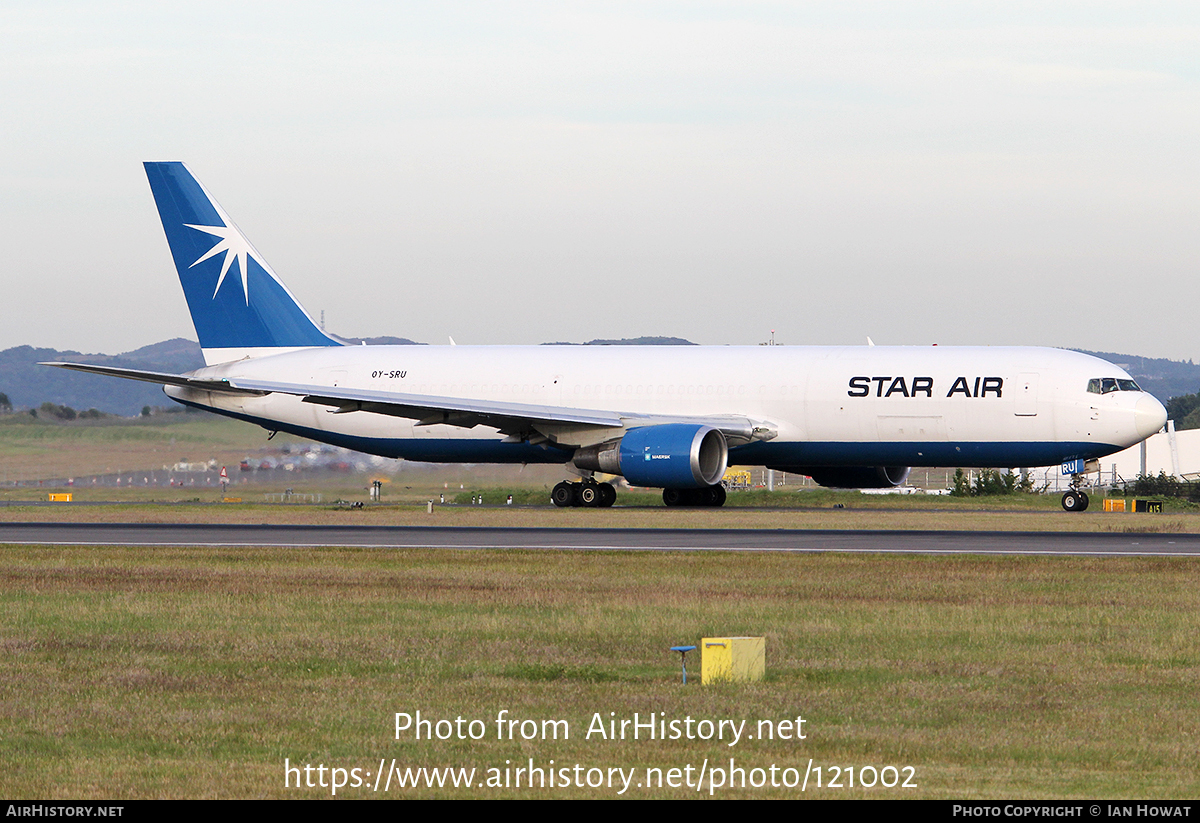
829	406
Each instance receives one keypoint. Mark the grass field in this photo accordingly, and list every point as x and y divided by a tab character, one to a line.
196	672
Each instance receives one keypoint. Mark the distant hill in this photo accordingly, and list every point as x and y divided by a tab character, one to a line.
29	385
631	341
379	341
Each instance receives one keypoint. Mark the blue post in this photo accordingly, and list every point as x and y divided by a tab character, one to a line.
683	650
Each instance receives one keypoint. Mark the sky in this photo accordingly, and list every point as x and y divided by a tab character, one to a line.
979	173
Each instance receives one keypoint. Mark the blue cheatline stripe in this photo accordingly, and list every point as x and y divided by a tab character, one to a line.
811	455
224	317
983	454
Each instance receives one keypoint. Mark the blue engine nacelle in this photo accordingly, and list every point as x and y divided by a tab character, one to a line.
670	456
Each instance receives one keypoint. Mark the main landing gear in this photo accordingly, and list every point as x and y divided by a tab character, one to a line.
589	493
712	496
595	495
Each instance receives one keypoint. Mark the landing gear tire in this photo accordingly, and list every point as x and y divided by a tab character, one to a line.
564	495
1086	501
1074	501
711	496
590	494
674	497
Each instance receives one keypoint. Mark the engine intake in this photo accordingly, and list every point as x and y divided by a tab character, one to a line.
670	456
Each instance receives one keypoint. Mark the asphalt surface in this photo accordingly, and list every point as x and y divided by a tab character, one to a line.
792	540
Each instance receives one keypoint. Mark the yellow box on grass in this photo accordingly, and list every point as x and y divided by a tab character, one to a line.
725	659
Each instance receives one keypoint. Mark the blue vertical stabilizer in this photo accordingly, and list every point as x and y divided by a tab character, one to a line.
236	300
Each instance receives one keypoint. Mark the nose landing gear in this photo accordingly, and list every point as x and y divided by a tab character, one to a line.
1075	501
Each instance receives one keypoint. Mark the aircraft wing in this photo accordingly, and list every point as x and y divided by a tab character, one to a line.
514	419
509	418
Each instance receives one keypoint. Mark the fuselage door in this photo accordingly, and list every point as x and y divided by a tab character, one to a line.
1027	395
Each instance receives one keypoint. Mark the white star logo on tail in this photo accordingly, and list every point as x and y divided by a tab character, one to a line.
235	246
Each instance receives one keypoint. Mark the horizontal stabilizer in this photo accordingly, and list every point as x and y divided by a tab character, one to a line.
161	378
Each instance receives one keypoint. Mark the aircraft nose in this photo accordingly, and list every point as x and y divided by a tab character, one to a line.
1149	416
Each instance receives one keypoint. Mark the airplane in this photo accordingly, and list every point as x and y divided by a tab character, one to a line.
669	417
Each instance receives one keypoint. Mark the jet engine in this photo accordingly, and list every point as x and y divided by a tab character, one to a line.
672	456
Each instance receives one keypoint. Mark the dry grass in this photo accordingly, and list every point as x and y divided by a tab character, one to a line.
649	517
196	672
32	449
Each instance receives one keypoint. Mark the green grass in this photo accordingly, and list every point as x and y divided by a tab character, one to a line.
199	427
196	672
813	498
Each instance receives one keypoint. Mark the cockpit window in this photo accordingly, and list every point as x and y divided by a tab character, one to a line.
1104	385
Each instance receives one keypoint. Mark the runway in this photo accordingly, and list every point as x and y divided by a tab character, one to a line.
746	540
